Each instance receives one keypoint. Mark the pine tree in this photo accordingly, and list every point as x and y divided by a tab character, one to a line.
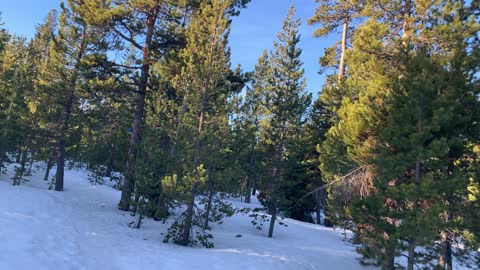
253	111
287	102
320	121
200	133
43	139
390	126
16	83
63	74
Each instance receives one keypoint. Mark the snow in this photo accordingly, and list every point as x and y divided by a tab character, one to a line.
81	228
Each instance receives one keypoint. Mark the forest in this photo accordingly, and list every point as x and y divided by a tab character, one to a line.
143	95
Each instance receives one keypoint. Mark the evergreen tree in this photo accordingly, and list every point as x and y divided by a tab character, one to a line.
390	127
16	83
252	113
201	131
43	133
320	121
63	75
287	102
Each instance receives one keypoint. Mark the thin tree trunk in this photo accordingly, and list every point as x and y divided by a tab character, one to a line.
411	255
273	218
18	178
161	213
137	223
62	143
388	260
277	175
273	206
19	153
341	70
31	164
445	259
406	24
49	167
23	161
185	238
319	206
250	177
406	17
129	182
209	207
110	162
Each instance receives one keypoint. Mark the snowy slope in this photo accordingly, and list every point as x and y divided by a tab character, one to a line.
81	228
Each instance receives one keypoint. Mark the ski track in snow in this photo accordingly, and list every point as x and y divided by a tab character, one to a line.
82	229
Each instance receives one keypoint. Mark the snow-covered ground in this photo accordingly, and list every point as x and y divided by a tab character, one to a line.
81	228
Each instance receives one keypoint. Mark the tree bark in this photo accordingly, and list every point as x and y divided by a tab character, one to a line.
276	184
445	259
67	110
137	223
110	162
319	206
250	178
272	219
30	166
209	207
185	238
161	213
129	182
411	255
388	260
341	70
406	17
49	167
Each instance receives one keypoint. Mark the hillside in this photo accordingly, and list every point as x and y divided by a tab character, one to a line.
81	228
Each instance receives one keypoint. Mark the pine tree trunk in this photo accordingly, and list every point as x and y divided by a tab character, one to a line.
137	223
129	182
250	177
272	219
49	167
110	163
388	260
445	259
161	213
31	164
341	70
318	207
248	190
209	207
411	255
406	17
108	173
19	153
273	205
59	176
185	238
23	162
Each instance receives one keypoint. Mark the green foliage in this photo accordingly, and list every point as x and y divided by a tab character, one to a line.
282	88
407	123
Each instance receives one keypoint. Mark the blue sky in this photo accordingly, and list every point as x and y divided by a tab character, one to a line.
252	32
